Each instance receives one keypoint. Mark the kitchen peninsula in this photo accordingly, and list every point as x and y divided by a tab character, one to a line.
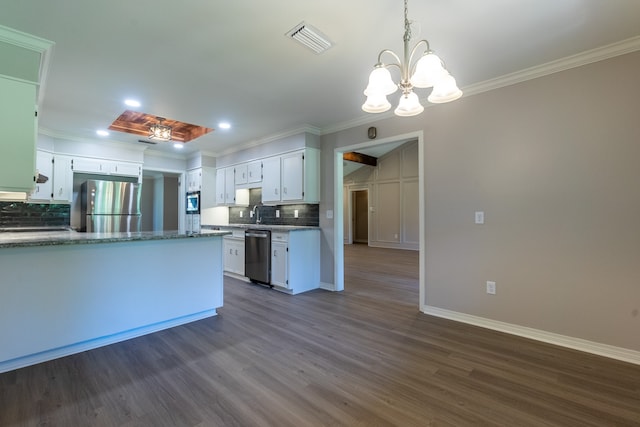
64	292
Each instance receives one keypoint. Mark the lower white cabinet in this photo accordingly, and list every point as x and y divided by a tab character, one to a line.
233	248
279	260
295	260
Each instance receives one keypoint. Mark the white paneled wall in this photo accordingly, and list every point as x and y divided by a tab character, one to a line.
393	199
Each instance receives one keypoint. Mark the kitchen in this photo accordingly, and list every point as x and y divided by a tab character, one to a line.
505	151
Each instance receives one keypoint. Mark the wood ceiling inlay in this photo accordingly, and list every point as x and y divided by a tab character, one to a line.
138	124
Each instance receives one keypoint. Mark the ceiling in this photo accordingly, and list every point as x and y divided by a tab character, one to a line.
205	61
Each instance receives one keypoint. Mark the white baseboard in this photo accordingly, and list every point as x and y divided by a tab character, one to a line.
327	286
605	350
33	359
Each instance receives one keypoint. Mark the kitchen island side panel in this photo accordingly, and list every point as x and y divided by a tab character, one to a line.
53	297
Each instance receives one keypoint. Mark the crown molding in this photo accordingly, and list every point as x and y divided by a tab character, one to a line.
587	57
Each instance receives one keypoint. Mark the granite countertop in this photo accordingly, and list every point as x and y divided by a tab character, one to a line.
259	227
72	237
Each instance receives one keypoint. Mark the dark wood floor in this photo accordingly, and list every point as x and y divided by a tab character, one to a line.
362	357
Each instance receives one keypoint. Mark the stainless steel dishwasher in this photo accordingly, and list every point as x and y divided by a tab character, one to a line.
257	256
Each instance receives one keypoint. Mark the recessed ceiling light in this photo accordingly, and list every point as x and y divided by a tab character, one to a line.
102	132
224	125
132	103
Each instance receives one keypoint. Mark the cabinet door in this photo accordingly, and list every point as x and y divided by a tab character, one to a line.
271	179
238	252
229	186
279	261
240	176
125	169
44	166
227	247
293	176
18	142
220	177
254	171
62	179
80	164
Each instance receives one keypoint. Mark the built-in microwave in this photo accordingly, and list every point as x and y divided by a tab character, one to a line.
193	202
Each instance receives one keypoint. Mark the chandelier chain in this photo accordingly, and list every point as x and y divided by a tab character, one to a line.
407	24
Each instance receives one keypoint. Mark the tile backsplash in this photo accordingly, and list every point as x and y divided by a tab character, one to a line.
15	214
308	214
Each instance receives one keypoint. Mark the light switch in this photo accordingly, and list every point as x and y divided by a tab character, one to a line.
329	214
241	214
277	213
479	217
295	213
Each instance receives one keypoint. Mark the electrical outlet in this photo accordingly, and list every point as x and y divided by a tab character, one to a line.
491	288
241	214
277	213
479	217
250	214
295	213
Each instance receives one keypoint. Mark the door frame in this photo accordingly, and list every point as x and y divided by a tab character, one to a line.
338	206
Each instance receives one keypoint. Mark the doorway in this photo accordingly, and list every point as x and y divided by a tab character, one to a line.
360	216
339	206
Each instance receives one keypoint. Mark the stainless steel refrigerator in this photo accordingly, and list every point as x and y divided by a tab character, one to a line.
110	206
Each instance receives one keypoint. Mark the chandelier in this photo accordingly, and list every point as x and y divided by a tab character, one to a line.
159	131
428	71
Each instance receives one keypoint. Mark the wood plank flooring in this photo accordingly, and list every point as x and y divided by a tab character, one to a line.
362	357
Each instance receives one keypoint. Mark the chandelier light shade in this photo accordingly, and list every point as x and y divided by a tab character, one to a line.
428	71
160	132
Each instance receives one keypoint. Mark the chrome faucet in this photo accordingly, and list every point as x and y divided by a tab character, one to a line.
256	213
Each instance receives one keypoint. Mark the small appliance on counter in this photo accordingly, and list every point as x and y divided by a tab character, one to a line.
110	206
192	221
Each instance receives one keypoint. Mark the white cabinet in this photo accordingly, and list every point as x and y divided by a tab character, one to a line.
203	180
233	247
225	186
295	260
62	179
271	179
44	166
279	259
18	142
240	174
125	169
254	171
194	180
106	167
292	177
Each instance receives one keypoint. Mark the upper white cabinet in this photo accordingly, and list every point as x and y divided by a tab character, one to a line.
225	186
292	177
271	179
194	180
44	166
240	174
18	142
106	167
23	59
62	188
203	180
254	171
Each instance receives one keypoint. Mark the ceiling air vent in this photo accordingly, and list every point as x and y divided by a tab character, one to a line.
310	37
